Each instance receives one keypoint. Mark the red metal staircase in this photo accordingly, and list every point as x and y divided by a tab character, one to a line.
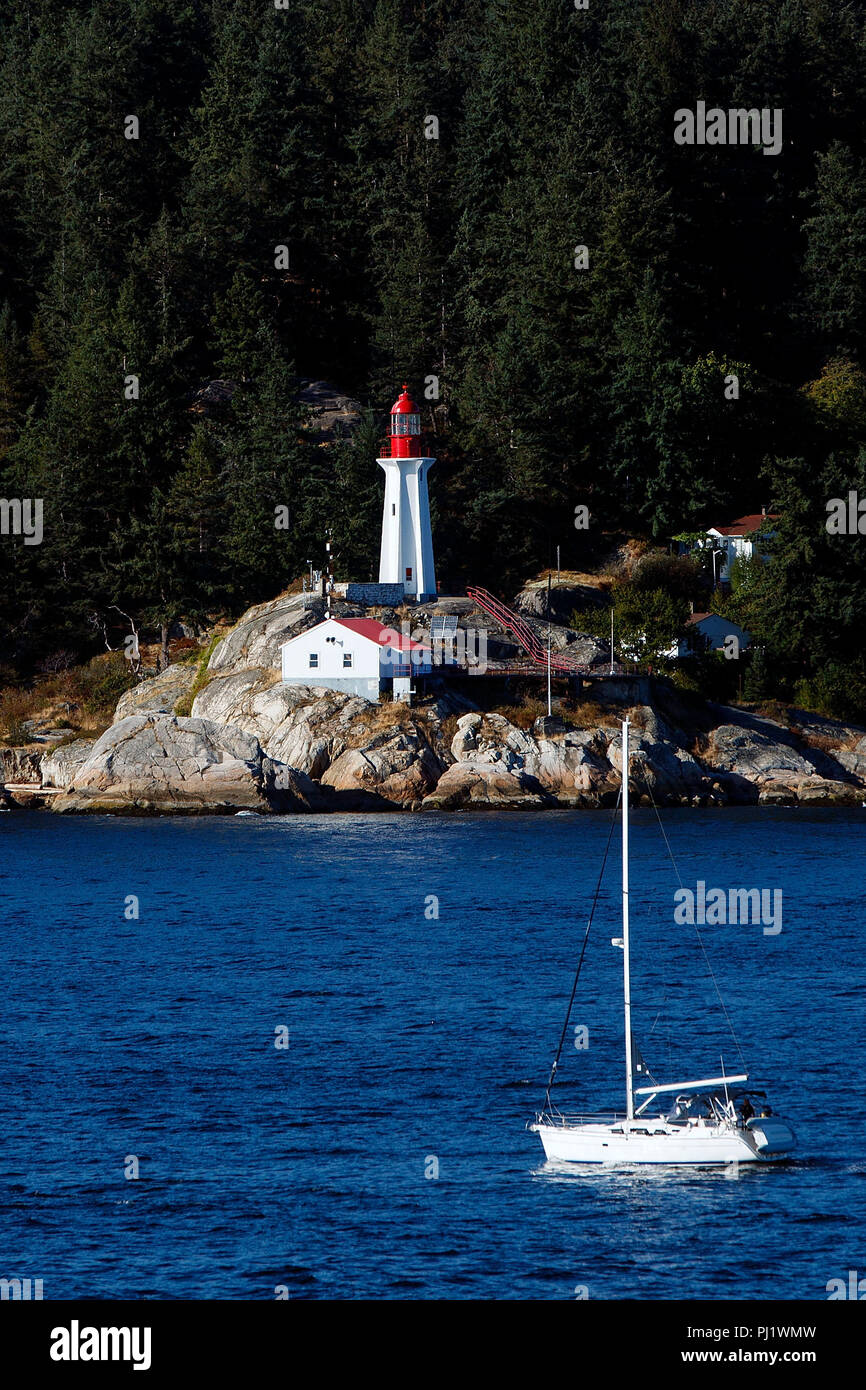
530	641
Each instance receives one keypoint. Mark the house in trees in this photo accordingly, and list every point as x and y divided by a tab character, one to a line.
709	632
739	540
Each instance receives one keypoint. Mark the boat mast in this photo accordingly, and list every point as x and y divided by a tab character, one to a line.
626	985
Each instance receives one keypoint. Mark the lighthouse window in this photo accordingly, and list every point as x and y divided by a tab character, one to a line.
408	572
347	659
393	508
407	424
314	660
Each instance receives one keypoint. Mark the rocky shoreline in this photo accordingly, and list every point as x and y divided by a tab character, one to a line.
251	743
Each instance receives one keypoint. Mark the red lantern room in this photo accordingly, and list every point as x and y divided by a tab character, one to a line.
405	428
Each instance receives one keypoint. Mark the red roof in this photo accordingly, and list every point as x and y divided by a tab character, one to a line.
380	634
746	523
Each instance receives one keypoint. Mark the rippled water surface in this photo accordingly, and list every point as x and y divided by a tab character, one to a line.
415	1043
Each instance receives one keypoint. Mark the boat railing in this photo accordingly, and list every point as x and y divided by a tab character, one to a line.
605	1117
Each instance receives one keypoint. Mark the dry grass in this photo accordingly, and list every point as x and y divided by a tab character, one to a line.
388	715
587	714
826	743
16	707
772	709
448	728
523	715
568	578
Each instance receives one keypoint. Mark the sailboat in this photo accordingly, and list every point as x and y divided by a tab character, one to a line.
707	1121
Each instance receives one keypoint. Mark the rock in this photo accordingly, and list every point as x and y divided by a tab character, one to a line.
464	742
547	725
564	600
159	694
157	762
180	629
448	702
759	760
497	763
305	727
213	397
332	415
751	758
369	754
481	783
852	761
257	637
777	794
400	771
824	791
60	768
20	764
822	727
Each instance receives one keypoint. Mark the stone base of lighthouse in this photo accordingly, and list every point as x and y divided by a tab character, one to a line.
406	556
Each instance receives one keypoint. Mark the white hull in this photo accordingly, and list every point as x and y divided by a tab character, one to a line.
641	1143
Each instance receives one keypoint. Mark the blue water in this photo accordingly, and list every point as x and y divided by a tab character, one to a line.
414	1043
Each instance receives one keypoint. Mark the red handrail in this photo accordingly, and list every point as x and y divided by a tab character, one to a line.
512	622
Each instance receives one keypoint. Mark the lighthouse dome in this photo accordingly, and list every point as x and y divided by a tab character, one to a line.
405	404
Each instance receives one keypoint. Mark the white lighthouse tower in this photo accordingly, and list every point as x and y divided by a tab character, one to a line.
406	556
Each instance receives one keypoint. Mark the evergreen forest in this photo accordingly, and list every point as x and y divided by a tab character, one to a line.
482	198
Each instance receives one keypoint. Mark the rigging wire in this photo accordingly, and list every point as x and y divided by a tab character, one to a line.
710	971
582	953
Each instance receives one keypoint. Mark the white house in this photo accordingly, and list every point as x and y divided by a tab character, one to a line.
709	632
358	655
737	541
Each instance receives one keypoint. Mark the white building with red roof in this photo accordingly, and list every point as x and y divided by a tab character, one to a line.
738	541
357	655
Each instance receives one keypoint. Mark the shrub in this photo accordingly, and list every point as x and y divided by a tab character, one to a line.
838	690
102	682
183	706
16	708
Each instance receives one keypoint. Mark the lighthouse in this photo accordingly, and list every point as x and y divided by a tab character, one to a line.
406	556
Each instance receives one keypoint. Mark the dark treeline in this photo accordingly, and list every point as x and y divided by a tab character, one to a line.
411	257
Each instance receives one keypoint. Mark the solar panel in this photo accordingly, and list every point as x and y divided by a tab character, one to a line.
443	625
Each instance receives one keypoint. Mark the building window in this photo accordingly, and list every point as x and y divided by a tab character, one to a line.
393	508
408	573
314	660
347	659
